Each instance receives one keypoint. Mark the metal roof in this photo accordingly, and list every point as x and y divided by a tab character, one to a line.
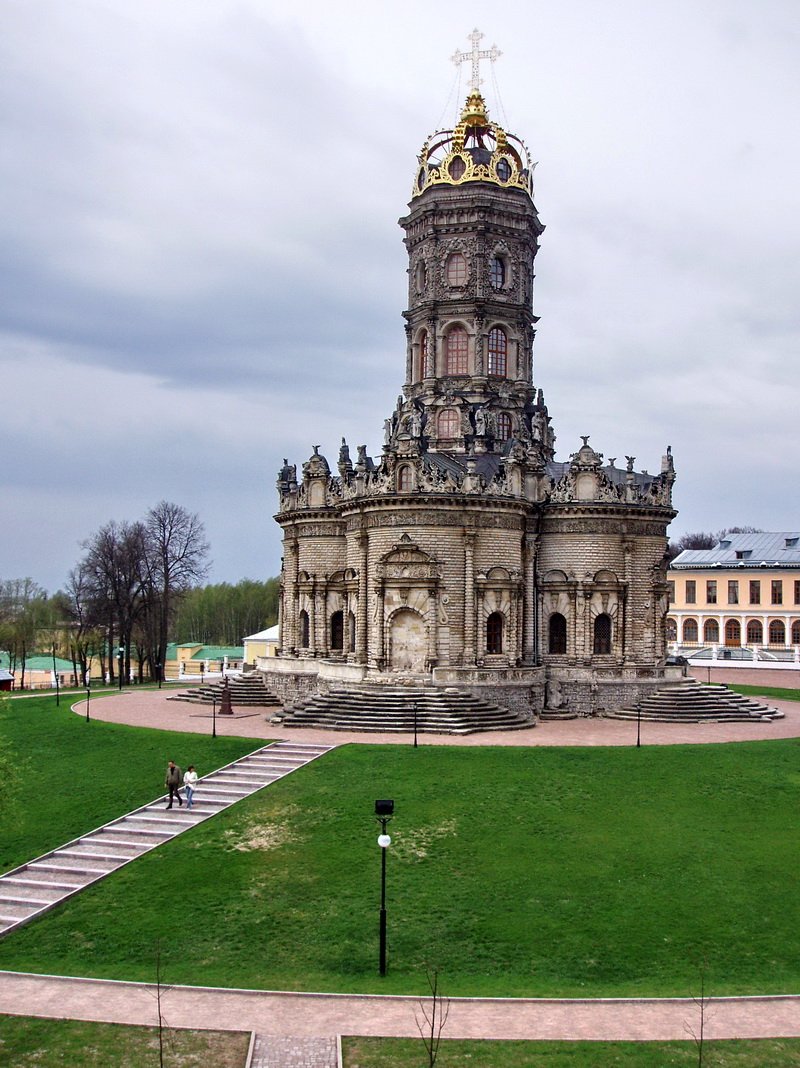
762	549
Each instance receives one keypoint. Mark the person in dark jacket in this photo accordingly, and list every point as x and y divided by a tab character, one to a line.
173	783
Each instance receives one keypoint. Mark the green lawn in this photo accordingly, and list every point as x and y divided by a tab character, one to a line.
768	691
538	871
27	1042
409	1053
78	775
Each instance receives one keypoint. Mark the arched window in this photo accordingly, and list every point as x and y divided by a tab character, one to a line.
497	272
796	632
503	426
457	168
304	643
557	634
425	371
494	633
690	630
456	269
351	629
456	349
449	423
711	631
733	632
337	631
404	478
602	634
777	632
672	630
755	632
498	351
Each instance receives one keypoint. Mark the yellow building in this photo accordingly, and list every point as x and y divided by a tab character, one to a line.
742	594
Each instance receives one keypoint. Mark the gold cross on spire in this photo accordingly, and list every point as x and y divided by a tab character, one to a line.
475	56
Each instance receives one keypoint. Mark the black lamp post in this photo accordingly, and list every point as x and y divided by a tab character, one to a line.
213	715
88	693
384	810
414	708
639	725
121	663
158	672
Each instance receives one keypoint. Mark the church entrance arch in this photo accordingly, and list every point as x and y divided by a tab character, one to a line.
407	641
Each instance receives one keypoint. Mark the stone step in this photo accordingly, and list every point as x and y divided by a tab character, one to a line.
40	885
10	913
19	896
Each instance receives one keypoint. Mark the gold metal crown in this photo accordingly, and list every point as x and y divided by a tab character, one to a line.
477	150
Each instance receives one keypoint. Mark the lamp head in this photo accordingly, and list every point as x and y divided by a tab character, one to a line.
384	809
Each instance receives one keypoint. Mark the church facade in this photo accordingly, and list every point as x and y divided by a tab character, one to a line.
466	555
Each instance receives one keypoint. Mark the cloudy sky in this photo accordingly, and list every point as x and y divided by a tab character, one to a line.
201	270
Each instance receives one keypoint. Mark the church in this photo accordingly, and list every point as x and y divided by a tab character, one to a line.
466	555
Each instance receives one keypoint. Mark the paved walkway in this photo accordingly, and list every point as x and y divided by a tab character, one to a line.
296	1029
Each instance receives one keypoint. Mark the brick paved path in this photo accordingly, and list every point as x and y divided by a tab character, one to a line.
277	1051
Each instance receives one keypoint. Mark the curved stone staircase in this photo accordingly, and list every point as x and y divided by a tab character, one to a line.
390	710
690	701
247	691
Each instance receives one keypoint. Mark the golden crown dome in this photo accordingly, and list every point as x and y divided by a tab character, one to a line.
477	150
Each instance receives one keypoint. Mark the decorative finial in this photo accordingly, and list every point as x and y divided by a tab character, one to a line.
475	57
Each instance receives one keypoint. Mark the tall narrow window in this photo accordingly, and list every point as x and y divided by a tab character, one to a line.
557	634
671	592
503	426
691	591
797	591
711	591
337	631
777	591
498	351
755	591
456	348
456	269
672	630
494	633
449	423
404	483
425	371
351	627
304	629
733	591
602	634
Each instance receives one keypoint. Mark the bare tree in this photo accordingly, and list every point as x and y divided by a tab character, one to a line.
434	1017
701	1001
175	559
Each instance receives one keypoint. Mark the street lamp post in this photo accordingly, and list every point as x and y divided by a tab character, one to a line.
384	810
158	672
88	693
639	725
121	663
414	707
213	715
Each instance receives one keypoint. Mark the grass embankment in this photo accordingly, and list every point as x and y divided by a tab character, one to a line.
539	871
767	691
405	1053
78	775
26	1042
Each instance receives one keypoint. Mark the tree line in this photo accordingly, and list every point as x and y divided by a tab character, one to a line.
136	588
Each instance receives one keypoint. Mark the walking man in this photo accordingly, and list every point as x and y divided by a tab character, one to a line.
173	783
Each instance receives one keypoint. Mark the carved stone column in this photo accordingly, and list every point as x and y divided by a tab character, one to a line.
380	624
529	601
323	643
469	597
292	594
432	613
312	617
627	630
362	620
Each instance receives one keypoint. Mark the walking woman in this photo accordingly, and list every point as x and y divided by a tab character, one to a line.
189	779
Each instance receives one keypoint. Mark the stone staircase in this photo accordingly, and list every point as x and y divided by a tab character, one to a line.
390	710
247	691
690	701
33	888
